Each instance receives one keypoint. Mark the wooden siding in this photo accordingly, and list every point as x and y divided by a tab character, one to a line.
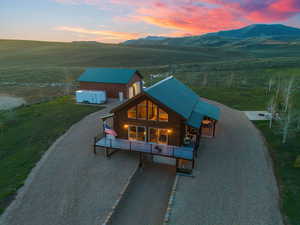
112	90
135	78
175	122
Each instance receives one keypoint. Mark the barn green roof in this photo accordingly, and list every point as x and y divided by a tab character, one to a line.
181	99
107	75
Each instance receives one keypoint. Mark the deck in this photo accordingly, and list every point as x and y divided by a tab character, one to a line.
177	152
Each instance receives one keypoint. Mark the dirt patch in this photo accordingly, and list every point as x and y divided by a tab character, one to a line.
10	102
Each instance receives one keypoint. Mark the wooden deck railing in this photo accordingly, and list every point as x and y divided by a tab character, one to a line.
146	147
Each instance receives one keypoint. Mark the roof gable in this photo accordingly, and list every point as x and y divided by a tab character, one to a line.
175	95
107	75
179	98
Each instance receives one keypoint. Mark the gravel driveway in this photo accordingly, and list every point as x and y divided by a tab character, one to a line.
71	185
234	182
146	199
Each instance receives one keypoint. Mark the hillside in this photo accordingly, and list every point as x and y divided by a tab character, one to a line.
253	35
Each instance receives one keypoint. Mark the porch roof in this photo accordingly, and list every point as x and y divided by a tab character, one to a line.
200	110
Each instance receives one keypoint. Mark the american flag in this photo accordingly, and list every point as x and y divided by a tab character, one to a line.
109	130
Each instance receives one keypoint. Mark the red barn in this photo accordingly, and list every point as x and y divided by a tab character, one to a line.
115	82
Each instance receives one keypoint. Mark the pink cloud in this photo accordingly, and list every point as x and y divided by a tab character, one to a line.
262	10
278	10
200	16
188	18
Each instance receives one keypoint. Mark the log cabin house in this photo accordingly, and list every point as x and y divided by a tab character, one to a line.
116	82
165	119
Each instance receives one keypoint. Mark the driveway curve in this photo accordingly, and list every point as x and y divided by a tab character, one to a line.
70	185
234	182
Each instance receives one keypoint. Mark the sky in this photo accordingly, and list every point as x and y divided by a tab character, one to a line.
114	21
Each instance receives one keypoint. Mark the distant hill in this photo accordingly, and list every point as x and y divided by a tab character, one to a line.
256	34
145	40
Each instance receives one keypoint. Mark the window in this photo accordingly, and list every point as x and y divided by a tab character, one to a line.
132	133
152	111
153	135
131	113
163	116
157	135
141	134
134	89
136	133
137	87
131	92
162	136
142	110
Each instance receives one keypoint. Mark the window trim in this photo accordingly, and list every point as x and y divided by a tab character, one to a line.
136	134
158	108
146	110
135	106
158	134
158	118
155	110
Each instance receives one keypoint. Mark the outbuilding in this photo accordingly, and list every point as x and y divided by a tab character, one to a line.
116	82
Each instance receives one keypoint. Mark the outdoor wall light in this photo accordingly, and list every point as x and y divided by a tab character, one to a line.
126	126
169	131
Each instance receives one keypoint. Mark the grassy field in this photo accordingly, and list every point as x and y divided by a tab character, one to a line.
243	83
288	176
237	77
36	70
39	70
26	133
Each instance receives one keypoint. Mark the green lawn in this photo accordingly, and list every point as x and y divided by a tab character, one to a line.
26	133
288	176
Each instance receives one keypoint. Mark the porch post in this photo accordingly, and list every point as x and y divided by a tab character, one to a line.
106	152
214	131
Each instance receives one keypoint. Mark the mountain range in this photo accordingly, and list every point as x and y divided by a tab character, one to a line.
252	35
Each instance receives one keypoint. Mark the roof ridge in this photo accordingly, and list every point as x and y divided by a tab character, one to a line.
159	82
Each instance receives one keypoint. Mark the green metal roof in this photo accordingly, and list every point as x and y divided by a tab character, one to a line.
107	75
195	119
202	109
178	97
174	95
208	110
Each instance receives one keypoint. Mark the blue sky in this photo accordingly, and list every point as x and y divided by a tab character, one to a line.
118	20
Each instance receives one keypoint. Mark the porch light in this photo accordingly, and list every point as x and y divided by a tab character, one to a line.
126	126
169	131
206	121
